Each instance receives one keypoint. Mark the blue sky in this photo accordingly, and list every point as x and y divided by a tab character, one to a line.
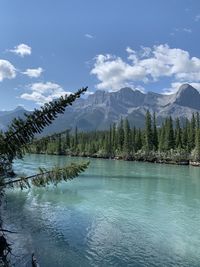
49	47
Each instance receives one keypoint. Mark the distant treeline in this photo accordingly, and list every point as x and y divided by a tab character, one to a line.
171	142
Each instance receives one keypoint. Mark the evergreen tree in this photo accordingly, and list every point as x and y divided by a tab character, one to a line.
106	143
121	135
21	132
17	137
127	137
169	134
138	140
185	135
134	145
110	142
162	146
76	138
178	134
191	133
148	132
114	139
59	146
82	143
155	133
197	120
67	139
196	152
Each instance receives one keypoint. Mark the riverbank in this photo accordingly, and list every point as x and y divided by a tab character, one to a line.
142	157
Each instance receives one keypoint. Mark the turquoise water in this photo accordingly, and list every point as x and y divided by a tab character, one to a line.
116	214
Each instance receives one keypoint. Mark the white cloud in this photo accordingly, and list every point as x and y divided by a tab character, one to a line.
21	50
33	73
87	35
188	30
44	92
114	73
179	30
145	51
88	93
146	65
129	50
7	70
197	17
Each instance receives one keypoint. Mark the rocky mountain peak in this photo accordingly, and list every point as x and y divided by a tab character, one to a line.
126	90
99	110
186	88
128	96
188	96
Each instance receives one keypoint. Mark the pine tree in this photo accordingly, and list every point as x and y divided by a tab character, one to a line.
114	141
197	120
121	134
12	144
59	145
76	138
134	146
155	133
169	135
178	134
127	137
148	132
161	145
67	139
107	143
138	140
191	133
185	135
196	152
21	132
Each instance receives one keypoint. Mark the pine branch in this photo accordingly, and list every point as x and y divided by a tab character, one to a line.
46	177
21	132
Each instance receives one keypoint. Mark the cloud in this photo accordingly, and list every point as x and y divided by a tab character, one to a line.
129	50
183	30
197	17
144	66
44	92
33	73
188	30
87	35
114	73
87	93
21	50
7	70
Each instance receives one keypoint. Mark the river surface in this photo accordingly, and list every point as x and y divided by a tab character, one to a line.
115	214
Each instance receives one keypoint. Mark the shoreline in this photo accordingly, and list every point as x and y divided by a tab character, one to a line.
153	160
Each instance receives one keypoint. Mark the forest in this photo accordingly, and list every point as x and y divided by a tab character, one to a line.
173	141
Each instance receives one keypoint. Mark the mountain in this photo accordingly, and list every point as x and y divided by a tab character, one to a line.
101	109
6	117
188	96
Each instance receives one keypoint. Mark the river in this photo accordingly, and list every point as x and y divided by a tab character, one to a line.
117	213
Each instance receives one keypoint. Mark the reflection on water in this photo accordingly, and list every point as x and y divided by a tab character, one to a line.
115	214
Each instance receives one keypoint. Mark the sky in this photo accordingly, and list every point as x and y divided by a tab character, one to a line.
52	47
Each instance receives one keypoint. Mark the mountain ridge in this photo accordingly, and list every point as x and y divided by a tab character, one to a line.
99	110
